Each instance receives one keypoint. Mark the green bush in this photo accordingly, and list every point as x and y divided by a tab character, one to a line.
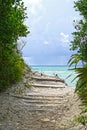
11	69
12	27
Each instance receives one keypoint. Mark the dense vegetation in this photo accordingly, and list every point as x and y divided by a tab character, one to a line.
79	45
12	27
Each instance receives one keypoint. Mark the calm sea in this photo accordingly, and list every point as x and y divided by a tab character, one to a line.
62	71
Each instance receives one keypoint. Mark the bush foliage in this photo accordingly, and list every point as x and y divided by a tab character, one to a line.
79	45
12	27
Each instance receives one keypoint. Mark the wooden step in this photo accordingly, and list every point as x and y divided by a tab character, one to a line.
38	97
47	79
44	95
41	101
48	86
45	107
34	110
48	82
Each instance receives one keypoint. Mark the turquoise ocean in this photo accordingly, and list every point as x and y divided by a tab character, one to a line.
62	71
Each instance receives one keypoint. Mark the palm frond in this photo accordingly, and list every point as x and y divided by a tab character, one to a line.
75	58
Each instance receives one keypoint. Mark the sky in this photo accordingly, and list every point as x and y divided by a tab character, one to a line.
50	24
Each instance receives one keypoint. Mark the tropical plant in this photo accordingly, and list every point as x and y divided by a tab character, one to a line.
82	120
79	45
12	27
81	86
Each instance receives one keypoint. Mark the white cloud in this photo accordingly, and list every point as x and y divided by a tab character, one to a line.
64	37
68	1
35	5
46	42
37	20
47	28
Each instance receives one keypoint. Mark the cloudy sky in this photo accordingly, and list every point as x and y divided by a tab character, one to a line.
50	23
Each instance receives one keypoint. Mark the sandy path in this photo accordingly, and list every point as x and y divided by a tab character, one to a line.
49	104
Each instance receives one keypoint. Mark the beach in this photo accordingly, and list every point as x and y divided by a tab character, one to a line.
39	102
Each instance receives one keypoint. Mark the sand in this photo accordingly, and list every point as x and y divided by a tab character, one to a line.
39	102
